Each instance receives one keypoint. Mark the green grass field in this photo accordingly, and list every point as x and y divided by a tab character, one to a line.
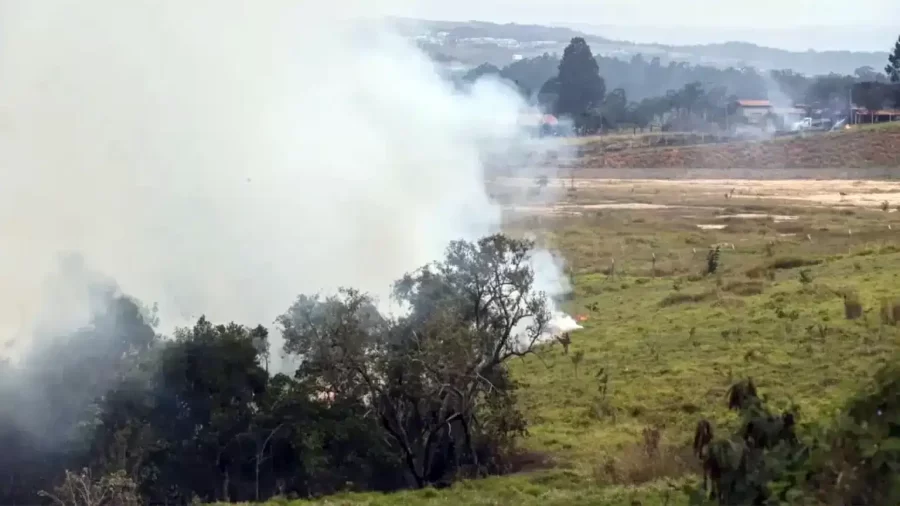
663	341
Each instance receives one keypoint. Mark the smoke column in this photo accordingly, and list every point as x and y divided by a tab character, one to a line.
221	157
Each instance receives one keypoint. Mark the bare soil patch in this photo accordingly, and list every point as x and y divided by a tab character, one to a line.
856	148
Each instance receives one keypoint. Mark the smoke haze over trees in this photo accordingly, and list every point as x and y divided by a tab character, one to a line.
220	169
207	168
377	403
644	91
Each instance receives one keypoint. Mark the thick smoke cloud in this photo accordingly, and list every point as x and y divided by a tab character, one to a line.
220	157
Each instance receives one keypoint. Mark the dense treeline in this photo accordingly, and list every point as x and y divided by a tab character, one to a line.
640	91
377	403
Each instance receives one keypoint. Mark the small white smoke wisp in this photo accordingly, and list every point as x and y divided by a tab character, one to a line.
549	277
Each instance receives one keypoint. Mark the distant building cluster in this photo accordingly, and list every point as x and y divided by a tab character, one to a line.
768	116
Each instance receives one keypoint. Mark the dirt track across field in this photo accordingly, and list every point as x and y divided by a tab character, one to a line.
824	174
860	193
649	194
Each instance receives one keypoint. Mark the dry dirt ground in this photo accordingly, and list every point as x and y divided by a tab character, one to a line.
823	192
876	146
597	194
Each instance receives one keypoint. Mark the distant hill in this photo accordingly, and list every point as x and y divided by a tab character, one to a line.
476	42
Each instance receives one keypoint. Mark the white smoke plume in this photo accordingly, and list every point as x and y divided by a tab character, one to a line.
221	157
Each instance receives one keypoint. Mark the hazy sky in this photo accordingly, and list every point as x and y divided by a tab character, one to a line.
782	23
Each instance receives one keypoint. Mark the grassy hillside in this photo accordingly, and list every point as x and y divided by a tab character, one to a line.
857	147
663	341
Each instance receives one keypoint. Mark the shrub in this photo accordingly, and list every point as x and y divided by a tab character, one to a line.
743	468
793	262
677	298
742	395
745	288
712	260
861	461
806	277
756	272
890	311
647	461
852	459
81	489
852	306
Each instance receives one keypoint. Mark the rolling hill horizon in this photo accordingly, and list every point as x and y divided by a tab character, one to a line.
475	42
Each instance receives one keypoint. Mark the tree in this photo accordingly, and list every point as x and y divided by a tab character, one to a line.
871	95
548	95
893	67
485	69
210	384
378	403
82	490
581	89
434	380
615	107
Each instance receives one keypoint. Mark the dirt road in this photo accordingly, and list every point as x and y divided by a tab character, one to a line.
647	193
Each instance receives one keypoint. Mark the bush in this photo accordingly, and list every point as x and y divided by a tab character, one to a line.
645	462
852	306
745	288
675	299
760	271
806	277
860	462
743	468
712	260
81	489
853	461
890	311
793	262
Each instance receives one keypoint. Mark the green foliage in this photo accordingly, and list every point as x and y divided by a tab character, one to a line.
793	262
377	403
890	311
586	442
853	460
581	88
893	67
81	489
852	306
712	260
859	461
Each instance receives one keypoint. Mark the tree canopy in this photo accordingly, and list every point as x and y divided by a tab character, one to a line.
376	403
692	96
893	66
581	89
